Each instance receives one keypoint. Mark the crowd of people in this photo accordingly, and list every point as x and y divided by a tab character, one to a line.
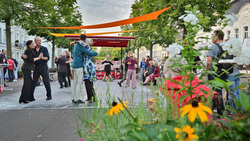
36	56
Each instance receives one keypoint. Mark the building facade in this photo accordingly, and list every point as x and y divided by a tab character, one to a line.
240	29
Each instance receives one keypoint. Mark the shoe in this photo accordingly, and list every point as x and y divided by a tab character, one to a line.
214	111
25	102
66	86
134	88
48	98
79	102
119	84
6	85
32	100
61	87
14	80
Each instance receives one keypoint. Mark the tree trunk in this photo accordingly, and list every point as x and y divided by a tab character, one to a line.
53	52
8	38
151	50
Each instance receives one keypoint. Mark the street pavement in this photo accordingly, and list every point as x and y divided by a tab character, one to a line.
54	120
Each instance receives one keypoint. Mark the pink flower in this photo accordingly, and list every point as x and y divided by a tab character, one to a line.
81	140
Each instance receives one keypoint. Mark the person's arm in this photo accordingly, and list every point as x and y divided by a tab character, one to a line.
111	63
45	56
209	62
104	62
86	51
136	62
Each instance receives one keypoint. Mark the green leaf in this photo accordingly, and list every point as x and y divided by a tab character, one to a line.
155	131
244	100
128	127
182	98
237	102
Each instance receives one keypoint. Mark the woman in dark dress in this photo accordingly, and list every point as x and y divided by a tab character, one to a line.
27	66
107	68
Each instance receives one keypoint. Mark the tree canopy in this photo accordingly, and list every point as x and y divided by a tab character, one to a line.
167	28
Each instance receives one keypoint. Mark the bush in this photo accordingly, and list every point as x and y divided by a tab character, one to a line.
19	73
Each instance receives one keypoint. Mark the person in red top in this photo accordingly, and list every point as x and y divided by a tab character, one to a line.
131	71
10	69
153	75
147	61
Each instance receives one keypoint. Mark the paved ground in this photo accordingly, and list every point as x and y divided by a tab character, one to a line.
54	120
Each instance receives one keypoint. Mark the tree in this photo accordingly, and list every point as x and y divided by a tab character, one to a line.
61	13
14	10
104	52
165	29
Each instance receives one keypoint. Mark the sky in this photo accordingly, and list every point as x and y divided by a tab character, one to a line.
104	11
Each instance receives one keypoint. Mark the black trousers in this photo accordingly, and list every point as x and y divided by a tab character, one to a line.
11	75
41	70
62	78
218	101
124	78
26	89
144	77
89	89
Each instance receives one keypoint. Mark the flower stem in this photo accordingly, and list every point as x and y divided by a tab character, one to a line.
134	120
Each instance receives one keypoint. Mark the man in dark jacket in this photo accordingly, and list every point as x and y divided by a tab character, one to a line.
62	69
3	60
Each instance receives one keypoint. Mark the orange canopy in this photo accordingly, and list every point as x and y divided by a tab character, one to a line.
146	17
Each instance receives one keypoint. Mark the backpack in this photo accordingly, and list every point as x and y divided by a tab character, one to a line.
226	56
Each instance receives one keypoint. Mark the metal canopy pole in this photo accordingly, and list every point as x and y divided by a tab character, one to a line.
121	65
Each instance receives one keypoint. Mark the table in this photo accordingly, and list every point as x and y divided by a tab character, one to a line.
2	77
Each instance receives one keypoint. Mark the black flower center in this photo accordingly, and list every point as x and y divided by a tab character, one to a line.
114	103
186	134
194	104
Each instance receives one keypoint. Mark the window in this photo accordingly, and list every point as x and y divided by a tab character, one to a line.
17	56
0	35
245	31
236	33
228	34
17	36
21	40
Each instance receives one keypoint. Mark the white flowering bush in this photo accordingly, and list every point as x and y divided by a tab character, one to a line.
190	18
174	49
233	46
229	20
244	57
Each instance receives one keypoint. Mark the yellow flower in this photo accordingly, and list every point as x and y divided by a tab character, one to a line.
186	134
116	108
195	108
152	100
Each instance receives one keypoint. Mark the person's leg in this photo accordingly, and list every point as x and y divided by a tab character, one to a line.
65	75
232	92
73	93
133	78
237	84
9	74
90	90
36	75
27	80
129	72
45	76
15	73
60	78
78	83
124	78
